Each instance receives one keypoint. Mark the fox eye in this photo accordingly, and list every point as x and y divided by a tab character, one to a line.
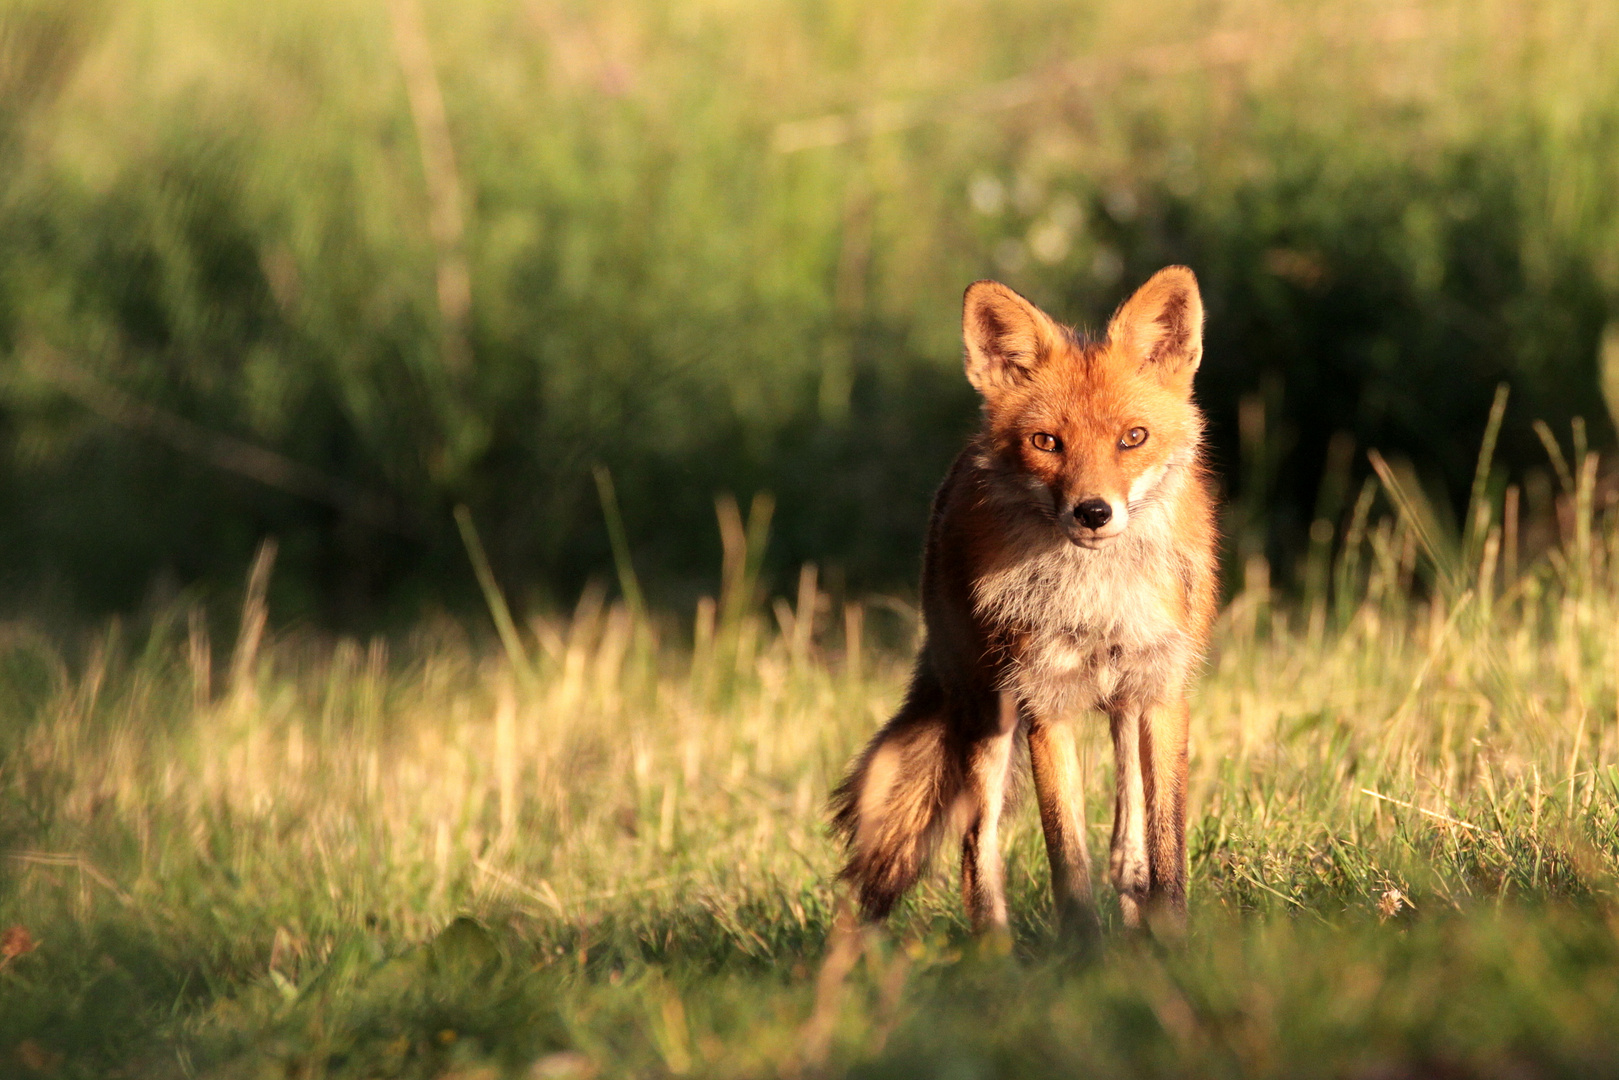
1133	438
1042	441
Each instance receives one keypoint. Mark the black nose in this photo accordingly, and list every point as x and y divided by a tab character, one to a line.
1093	513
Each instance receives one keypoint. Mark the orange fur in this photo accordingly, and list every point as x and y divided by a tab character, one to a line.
1069	567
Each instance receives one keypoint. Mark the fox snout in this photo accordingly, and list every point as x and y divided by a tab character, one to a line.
1093	521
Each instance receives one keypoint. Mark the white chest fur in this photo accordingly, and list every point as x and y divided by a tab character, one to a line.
1093	626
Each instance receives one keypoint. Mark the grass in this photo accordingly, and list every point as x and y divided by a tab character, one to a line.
600	850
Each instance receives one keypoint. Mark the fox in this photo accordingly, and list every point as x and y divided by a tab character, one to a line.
1069	567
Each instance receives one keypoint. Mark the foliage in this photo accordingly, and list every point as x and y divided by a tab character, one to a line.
254	282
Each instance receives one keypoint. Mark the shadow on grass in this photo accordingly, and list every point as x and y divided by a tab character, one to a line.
1520	989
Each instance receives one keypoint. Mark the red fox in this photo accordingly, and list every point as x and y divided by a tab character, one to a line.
1070	565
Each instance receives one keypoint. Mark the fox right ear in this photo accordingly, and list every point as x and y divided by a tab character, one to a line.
1007	337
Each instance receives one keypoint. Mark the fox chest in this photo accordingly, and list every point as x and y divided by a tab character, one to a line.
1084	633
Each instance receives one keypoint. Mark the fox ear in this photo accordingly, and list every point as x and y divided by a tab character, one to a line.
1007	337
1162	324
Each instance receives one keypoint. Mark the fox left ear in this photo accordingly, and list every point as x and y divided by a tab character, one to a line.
1162	324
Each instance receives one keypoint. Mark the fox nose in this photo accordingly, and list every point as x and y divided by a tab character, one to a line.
1093	513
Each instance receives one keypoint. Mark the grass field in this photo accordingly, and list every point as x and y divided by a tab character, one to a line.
327	270
598	849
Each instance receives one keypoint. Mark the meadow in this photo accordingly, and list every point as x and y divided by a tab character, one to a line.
597	848
388	687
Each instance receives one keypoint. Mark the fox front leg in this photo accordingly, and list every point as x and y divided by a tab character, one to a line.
1058	789
1164	772
1148	858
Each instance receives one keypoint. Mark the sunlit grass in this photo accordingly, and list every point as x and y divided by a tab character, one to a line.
1404	838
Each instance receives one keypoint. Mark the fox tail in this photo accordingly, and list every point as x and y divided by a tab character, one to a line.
893	806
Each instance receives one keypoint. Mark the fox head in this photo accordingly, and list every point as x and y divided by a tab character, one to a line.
1092	431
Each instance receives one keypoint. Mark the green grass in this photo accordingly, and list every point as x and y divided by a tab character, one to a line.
600	851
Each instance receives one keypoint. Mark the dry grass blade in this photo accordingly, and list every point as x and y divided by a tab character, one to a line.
625	565
71	861
1446	818
446	214
505	626
219	450
846	945
255	614
1554	451
1478	505
1418	515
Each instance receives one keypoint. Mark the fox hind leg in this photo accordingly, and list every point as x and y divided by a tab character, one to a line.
1128	864
983	874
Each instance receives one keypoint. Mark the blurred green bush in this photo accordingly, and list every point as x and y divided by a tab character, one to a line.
326	270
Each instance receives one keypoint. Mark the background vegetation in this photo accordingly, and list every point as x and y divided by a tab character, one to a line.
325	270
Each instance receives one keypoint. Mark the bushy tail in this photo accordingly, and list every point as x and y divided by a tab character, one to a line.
893	805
